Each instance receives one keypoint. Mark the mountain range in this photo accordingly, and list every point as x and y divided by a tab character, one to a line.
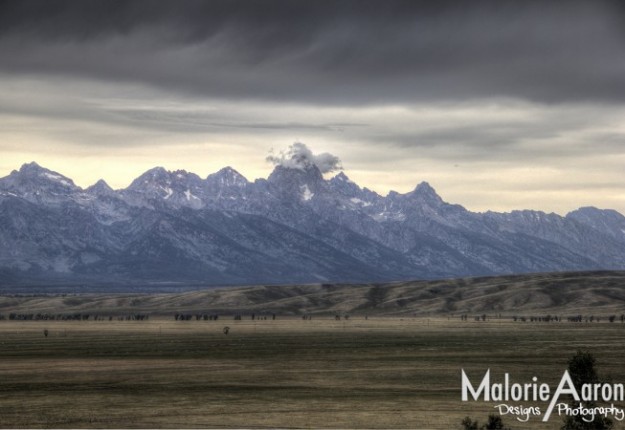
293	227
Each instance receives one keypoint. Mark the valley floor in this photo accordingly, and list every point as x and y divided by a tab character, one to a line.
361	373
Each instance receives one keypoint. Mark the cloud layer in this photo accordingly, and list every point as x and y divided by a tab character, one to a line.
339	52
498	104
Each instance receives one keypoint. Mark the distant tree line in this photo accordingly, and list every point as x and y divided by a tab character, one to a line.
197	317
73	317
465	317
573	318
215	317
549	318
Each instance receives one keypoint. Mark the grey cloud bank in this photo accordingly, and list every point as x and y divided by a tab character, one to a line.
339	52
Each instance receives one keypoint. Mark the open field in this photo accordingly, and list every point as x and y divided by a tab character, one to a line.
373	373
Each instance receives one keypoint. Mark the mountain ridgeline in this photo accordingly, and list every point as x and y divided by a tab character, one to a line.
294	227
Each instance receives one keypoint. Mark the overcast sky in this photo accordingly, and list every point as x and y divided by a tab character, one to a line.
498	105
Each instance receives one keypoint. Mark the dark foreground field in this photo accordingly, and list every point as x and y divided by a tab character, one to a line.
374	373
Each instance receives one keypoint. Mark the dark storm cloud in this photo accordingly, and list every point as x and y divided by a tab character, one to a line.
340	52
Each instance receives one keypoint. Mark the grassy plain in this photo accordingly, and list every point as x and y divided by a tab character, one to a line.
373	373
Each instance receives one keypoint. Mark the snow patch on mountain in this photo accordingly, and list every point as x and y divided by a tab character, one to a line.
360	202
306	193
190	195
168	192
57	178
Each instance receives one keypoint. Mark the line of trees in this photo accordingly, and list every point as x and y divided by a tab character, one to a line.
197	317
574	318
73	317
550	318
215	317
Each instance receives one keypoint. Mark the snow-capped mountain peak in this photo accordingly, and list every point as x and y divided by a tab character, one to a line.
33	172
38	184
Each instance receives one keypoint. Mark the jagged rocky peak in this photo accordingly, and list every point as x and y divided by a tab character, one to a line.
304	181
591	212
605	220
160	177
345	187
100	187
29	168
341	177
299	172
227	177
308	174
34	169
176	189
423	193
530	215
156	174
181	179
341	182
425	190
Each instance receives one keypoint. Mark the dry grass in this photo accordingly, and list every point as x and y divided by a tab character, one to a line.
375	373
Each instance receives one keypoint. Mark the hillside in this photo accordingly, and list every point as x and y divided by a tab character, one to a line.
598	293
